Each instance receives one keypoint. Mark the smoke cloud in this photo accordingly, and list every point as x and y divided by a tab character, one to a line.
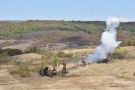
108	42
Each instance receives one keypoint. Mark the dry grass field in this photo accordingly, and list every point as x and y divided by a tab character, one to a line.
116	75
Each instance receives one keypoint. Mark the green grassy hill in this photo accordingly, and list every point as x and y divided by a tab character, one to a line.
89	31
16	29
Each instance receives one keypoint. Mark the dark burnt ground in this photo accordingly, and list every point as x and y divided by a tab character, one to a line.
42	38
68	38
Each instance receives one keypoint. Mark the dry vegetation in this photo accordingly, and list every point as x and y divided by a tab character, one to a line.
21	73
44	43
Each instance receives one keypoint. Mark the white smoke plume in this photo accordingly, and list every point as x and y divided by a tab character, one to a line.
108	42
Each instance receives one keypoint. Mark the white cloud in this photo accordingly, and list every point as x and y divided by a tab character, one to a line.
123	19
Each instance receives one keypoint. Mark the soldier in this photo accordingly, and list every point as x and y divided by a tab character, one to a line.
54	72
64	71
49	73
83	62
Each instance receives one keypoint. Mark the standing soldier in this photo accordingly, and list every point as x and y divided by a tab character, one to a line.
64	71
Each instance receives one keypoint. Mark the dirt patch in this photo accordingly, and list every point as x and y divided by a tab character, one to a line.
71	83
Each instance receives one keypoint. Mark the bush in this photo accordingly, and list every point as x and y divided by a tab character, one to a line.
23	71
48	55
42	64
60	54
37	69
33	49
128	43
56	60
119	54
13	52
68	55
4	58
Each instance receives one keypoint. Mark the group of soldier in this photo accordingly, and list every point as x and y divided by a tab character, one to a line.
52	72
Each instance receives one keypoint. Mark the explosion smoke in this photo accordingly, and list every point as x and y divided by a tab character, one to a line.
108	42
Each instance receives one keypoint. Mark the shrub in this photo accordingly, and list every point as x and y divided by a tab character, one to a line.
42	64
119	54
68	55
56	60
33	49
128	43
4	58
37	69
23	71
13	52
60	54
47	54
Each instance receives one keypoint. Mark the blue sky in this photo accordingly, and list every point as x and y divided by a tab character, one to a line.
66	9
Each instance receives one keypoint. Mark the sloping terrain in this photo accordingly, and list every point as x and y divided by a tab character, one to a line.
59	34
53	38
115	75
75	36
56	40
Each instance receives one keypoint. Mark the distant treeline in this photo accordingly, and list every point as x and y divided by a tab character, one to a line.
9	29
